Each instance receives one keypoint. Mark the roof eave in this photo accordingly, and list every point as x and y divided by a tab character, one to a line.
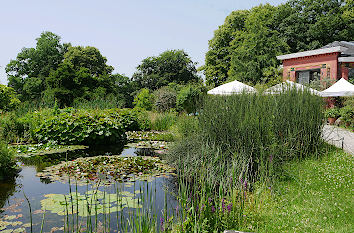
312	53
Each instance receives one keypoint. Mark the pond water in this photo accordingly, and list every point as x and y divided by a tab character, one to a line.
98	205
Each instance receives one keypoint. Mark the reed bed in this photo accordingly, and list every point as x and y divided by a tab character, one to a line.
236	143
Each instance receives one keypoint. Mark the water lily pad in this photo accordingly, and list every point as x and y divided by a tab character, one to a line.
89	204
106	169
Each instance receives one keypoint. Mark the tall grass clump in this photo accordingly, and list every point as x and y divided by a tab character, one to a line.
236	141
163	121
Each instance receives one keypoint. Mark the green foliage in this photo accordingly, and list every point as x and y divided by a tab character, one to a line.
8	100
250	136
163	121
347	114
80	75
8	167
144	99
74	126
165	99
256	50
189	98
27	73
246	45
170	66
332	113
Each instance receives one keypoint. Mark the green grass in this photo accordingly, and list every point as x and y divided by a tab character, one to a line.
316	196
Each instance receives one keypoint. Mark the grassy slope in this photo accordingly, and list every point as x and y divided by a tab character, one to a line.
317	196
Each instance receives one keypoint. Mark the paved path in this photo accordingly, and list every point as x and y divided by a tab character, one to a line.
339	137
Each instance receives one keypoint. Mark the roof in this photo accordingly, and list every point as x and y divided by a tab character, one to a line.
234	87
340	88
288	85
344	47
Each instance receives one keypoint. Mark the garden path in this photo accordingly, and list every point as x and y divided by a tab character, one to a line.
339	137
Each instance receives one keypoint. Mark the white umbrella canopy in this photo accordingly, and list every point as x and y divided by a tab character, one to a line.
340	88
288	85
234	87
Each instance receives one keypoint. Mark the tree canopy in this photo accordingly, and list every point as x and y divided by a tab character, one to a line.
170	66
27	73
245	47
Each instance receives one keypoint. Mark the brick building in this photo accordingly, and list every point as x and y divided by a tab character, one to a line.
333	61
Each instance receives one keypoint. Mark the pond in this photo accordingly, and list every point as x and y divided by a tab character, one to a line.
101	190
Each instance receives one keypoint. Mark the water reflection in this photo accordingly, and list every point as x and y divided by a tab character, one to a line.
7	189
36	188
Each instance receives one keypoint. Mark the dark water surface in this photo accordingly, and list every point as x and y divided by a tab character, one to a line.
14	209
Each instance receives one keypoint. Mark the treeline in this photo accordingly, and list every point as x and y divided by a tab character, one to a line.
75	75
245	47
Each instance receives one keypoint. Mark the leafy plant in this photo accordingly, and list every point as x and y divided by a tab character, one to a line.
8	167
347	114
144	100
73	126
165	99
332	113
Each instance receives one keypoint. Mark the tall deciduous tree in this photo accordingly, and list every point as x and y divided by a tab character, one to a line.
245	46
80	74
217	59
170	66
27	73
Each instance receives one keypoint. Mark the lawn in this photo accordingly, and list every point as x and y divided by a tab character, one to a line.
315	195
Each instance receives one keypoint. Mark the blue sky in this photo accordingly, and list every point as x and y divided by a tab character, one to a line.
125	32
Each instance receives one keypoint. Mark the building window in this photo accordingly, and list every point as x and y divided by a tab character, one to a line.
307	76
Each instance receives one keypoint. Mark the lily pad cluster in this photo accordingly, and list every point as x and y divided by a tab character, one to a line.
91	203
149	136
107	169
44	149
156	145
9	222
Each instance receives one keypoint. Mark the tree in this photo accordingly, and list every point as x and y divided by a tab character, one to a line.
82	71
27	73
311	24
8	100
217	59
170	66
246	45
256	48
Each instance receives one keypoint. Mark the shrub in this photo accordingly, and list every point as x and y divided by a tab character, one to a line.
347	114
332	113
165	99
73	126
8	100
144	100
189	98
8	167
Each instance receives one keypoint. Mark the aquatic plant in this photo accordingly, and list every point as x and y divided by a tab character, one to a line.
107	169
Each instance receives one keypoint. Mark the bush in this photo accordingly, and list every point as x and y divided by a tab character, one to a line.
332	113
8	100
189	98
8	167
88	127
144	100
249	136
347	114
165	99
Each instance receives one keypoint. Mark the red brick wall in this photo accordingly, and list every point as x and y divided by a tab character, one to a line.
330	61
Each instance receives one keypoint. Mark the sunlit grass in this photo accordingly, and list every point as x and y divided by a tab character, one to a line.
316	195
